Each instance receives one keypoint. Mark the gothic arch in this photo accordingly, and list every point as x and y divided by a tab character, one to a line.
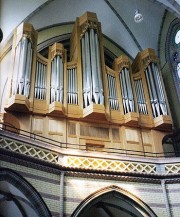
99	200
20	196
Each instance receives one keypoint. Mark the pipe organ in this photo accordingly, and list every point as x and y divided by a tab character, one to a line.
86	94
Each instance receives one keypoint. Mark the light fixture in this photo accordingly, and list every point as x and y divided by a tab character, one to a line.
138	17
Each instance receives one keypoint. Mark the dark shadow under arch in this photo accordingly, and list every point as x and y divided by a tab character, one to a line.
113	201
34	200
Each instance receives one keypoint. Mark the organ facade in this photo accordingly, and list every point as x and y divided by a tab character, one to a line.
83	101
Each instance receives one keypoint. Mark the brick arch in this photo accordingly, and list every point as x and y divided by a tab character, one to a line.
113	190
35	201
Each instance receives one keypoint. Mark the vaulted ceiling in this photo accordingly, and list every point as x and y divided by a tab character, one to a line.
116	17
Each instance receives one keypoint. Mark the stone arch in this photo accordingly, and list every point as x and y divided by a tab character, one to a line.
137	208
18	196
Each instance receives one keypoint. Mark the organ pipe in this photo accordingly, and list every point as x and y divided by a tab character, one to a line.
22	67
91	65
113	100
126	90
72	86
142	107
57	80
40	81
156	93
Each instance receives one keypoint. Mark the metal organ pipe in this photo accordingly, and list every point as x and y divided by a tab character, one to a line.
91	64
57	80
113	100
159	88
95	84
98	59
28	70
129	90
142	107
156	93
40	82
88	69
126	90
84	71
22	67
16	69
52	86
72	86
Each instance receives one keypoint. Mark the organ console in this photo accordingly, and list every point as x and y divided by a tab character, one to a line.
85	93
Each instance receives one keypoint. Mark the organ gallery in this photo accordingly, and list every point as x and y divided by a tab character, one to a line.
82	101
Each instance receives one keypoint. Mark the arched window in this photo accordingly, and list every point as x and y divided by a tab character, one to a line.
19	198
173	52
112	201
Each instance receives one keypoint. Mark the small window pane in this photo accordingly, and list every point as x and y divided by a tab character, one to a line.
177	37
178	70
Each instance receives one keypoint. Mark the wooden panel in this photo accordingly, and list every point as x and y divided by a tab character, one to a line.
92	131
132	135
55	127
38	125
148	148
115	134
146	137
72	128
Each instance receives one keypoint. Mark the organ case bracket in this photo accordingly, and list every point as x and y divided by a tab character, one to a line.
23	101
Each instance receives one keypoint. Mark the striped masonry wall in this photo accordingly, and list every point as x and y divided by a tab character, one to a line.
174	198
76	189
47	184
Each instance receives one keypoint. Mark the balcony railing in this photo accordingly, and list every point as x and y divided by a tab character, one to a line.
12	131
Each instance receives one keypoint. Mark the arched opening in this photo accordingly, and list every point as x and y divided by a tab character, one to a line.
168	146
19	198
113	202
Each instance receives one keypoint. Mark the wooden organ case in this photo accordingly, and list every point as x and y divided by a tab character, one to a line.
84	102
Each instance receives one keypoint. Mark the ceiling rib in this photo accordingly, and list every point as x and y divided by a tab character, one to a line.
175	9
125	25
37	10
